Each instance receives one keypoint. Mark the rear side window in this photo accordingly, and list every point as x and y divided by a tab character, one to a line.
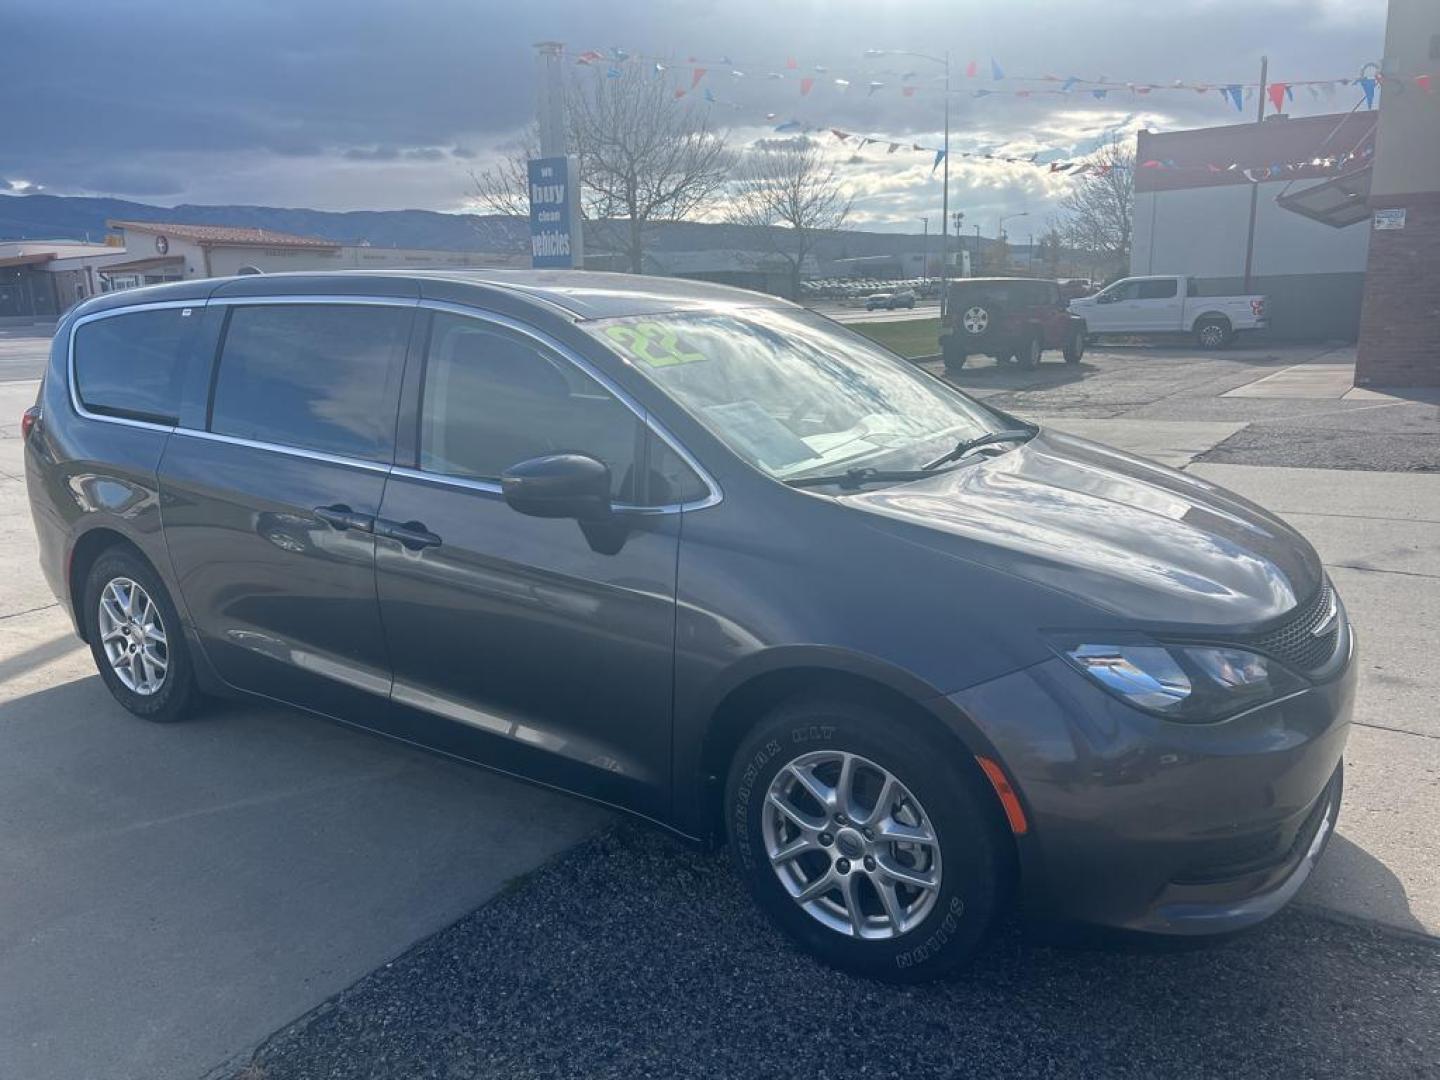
1163	289
132	365
318	377
494	399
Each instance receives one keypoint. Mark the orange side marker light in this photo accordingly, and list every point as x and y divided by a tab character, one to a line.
1014	812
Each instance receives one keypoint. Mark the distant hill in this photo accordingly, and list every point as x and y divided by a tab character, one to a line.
57	217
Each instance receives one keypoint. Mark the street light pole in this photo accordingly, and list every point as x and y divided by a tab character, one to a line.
945	198
925	253
1255	184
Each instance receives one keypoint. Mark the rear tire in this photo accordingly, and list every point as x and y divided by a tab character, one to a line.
1030	353
858	917
1213	333
136	638
954	359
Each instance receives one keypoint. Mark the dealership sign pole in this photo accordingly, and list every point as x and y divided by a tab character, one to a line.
556	231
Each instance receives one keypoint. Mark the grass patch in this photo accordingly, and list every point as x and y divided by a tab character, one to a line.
908	337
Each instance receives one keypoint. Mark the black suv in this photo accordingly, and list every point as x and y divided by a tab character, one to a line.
1010	319
716	560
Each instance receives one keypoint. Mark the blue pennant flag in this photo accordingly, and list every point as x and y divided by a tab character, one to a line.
1100	94
1237	95
939	157
995	72
1367	84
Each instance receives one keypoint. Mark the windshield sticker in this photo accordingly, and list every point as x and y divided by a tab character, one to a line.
651	343
766	439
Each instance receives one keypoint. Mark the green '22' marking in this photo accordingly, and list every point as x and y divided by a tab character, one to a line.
652	344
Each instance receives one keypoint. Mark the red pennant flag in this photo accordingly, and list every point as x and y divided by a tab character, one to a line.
1277	95
908	91
679	94
971	69
695	76
1150	164
791	63
1423	81
805	85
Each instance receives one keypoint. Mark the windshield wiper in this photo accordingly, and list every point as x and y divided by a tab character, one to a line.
856	478
966	445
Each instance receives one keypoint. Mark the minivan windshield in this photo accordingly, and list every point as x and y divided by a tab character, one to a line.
793	393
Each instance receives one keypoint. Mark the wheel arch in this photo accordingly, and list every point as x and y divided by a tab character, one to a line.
751	696
88	548
1212	316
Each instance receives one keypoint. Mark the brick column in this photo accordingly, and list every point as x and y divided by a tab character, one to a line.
1400	318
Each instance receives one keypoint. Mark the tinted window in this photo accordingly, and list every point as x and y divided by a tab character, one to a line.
130	365
315	376
1124	290
493	399
1164	289
671	480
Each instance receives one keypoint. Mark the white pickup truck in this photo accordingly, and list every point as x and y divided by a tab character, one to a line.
1169	305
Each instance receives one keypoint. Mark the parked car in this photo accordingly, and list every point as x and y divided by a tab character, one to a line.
1009	319
1169	304
900	298
711	558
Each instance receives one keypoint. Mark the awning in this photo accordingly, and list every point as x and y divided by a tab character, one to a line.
1338	203
28	260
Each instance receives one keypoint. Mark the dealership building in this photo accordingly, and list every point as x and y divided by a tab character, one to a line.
41	279
1193	213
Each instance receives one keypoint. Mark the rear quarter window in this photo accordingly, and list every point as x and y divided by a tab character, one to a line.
132	365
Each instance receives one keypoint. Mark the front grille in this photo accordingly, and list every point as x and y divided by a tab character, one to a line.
1296	643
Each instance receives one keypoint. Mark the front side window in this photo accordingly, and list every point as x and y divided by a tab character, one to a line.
494	398
1163	289
132	365
792	393
318	377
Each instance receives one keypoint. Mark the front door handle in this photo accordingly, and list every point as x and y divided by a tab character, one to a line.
340	517
410	534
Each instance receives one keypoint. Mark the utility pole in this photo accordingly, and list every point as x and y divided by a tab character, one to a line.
1255	184
925	252
976	264
945	199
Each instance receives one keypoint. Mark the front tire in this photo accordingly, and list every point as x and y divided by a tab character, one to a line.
955	358
818	795
1075	347
136	638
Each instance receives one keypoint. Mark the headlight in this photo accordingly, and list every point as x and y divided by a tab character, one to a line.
1188	683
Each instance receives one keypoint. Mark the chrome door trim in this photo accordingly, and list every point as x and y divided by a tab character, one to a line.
316	298
281	448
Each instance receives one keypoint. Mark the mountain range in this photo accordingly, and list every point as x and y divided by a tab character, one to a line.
57	217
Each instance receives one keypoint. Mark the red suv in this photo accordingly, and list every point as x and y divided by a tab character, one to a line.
1009	319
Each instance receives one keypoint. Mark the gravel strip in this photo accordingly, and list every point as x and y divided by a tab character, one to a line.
633	956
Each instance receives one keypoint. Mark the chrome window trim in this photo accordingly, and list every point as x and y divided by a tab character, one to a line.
714	494
280	448
110	313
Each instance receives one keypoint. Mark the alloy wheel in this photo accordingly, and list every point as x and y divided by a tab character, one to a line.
851	845
133	635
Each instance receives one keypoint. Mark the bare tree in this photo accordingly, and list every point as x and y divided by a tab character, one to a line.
1099	208
645	157
790	192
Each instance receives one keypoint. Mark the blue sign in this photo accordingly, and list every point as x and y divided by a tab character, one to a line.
554	213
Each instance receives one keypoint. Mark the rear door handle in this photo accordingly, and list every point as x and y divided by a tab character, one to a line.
340	517
410	534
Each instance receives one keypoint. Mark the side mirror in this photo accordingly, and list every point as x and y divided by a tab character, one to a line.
1105	298
559	486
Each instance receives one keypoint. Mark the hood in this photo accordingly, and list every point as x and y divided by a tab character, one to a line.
1142	541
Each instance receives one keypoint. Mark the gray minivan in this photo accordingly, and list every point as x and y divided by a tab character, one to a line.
708	557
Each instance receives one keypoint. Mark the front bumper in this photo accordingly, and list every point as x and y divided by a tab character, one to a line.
1145	824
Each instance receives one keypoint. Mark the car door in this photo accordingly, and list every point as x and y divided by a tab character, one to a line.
1159	305
531	644
267	504
1114	310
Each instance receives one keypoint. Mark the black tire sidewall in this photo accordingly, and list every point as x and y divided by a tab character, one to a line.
1075	347
1225	334
177	695
974	874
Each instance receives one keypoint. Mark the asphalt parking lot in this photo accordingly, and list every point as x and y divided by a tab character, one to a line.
263	895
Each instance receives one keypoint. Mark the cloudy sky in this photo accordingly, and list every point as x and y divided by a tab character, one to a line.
385	104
